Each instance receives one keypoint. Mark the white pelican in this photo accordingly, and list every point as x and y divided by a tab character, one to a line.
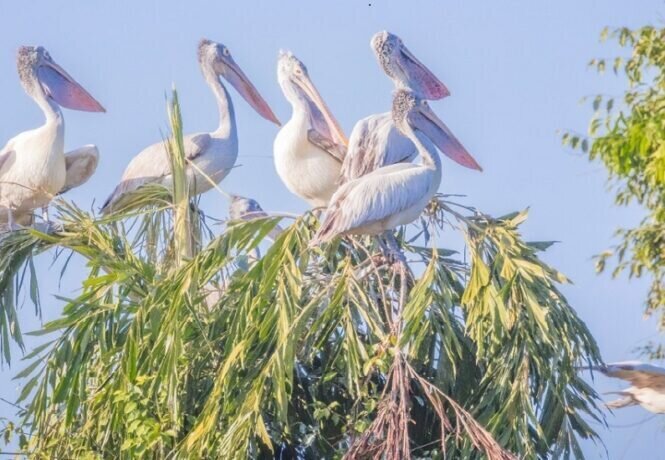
374	140
310	147
648	385
213	154
33	165
396	194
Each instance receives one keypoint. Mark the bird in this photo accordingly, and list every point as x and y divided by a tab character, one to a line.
648	385
33	164
210	155
246	209
396	194
310	147
375	141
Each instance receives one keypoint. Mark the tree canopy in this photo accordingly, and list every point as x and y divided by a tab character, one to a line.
186	343
627	134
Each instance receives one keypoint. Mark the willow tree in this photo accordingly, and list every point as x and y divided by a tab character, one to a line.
186	344
627	135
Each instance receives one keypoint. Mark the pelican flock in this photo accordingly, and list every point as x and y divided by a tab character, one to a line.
368	188
33	165
211	155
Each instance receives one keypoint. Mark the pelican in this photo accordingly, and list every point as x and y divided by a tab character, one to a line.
396	194
648	385
310	147
243	208
33	164
374	140
212	154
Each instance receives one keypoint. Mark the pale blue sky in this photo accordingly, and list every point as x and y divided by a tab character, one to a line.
516	71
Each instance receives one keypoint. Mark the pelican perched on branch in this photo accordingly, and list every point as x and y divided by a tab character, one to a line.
396	194
310	147
33	165
375	141
648	385
211	155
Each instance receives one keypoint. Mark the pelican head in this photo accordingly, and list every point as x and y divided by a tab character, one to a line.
404	69
40	74
301	92
412	114
217	58
241	206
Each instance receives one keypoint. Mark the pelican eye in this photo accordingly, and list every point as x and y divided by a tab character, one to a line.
225	51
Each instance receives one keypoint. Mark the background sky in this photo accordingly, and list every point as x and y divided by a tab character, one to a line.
516	71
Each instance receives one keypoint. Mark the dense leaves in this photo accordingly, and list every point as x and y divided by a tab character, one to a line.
627	135
239	346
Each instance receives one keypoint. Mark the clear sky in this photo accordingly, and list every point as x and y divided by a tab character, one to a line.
516	71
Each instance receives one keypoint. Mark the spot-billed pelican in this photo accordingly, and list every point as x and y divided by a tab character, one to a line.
310	147
213	154
648	385
243	208
374	140
396	194
33	165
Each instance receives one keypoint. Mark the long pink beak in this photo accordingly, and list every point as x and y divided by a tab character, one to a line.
64	90
241	83
420	79
436	130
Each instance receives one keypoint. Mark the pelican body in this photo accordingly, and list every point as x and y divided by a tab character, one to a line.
374	140
648	385
310	147
211	155
33	165
396	194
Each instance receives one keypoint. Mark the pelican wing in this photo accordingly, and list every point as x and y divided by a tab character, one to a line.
4	156
325	142
153	165
81	165
639	374
375	142
372	198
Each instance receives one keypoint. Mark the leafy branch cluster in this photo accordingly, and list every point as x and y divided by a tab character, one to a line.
628	136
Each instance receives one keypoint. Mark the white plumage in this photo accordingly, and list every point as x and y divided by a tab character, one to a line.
376	142
80	165
310	147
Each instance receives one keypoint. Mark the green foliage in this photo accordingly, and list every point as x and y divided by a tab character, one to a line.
627	135
304	352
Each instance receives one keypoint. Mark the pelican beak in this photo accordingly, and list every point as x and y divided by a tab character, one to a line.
64	90
420	78
429	124
241	83
321	115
